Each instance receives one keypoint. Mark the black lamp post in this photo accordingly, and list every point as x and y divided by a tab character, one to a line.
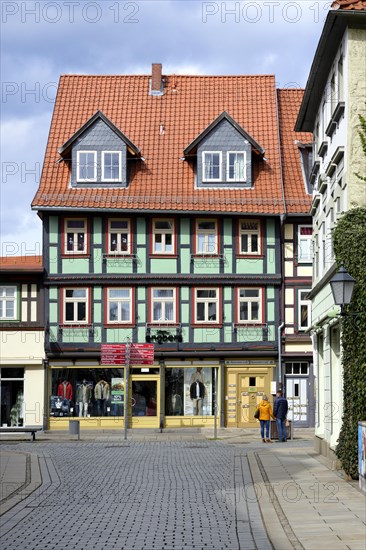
342	287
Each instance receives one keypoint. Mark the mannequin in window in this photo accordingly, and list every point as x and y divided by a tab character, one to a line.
102	394
197	390
175	402
83	397
65	390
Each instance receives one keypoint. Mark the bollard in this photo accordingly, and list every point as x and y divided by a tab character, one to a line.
74	428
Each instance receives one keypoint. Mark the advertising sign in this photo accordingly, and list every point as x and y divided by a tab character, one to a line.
139	354
117	391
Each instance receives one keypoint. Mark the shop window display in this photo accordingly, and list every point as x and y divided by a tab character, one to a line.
189	391
87	392
12	400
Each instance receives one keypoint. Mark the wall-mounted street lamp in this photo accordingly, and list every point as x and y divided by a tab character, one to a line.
342	285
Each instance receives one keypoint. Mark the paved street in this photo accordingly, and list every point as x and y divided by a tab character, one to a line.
106	493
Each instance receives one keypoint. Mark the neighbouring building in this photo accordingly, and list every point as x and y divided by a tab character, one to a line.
22	354
171	207
334	97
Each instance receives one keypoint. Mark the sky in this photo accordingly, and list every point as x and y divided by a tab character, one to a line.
40	40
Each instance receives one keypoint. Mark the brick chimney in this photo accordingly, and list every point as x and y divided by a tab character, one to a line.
156	79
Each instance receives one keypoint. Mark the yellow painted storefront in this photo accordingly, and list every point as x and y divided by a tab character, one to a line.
161	396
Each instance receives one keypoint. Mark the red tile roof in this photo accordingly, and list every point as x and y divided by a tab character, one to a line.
164	181
349	5
297	200
21	263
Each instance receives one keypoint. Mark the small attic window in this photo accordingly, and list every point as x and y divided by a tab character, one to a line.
236	166
212	165
111	166
86	166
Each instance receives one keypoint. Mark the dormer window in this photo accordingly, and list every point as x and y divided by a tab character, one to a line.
86	166
111	166
212	165
222	155
236	166
99	154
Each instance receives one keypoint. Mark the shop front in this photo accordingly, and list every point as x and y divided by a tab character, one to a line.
245	384
175	394
21	401
178	394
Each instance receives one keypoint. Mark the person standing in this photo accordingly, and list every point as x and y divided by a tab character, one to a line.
280	412
265	414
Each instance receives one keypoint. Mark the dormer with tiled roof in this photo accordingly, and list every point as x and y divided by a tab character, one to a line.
223	154
98	154
162	126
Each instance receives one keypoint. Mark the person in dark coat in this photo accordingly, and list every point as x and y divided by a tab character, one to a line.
280	412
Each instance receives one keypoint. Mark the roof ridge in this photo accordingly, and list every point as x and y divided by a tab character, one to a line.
176	75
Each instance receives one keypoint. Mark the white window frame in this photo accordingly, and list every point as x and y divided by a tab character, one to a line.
4	299
211	180
306	303
119	301
235	178
74	231
163	232
308	238
119	232
76	300
206	233
112	180
207	300
250	233
78	165
163	300
250	300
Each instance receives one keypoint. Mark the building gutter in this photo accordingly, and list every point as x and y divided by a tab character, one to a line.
176	211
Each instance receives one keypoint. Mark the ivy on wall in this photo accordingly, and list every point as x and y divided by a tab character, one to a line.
349	238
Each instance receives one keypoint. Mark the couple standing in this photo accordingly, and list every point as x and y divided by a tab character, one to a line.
279	414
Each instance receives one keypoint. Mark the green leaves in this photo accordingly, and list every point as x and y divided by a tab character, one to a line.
349	238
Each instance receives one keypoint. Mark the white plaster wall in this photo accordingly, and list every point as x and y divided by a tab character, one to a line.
34	395
21	347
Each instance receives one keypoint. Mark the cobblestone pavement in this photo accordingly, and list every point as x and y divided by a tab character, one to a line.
193	493
137	495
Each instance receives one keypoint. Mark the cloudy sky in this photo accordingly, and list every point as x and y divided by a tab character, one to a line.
43	39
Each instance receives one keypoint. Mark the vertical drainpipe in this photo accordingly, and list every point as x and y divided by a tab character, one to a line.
281	323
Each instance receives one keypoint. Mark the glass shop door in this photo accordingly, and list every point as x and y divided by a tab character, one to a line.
144	402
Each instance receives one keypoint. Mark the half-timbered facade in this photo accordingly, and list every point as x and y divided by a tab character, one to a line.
164	222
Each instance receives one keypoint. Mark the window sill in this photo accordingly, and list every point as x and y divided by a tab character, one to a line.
250	256
164	256
207	325
124	255
76	325
204	256
248	324
158	325
119	325
65	256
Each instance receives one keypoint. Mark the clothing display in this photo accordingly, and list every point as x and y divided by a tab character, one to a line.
65	390
59	406
175	405
83	397
102	390
197	392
